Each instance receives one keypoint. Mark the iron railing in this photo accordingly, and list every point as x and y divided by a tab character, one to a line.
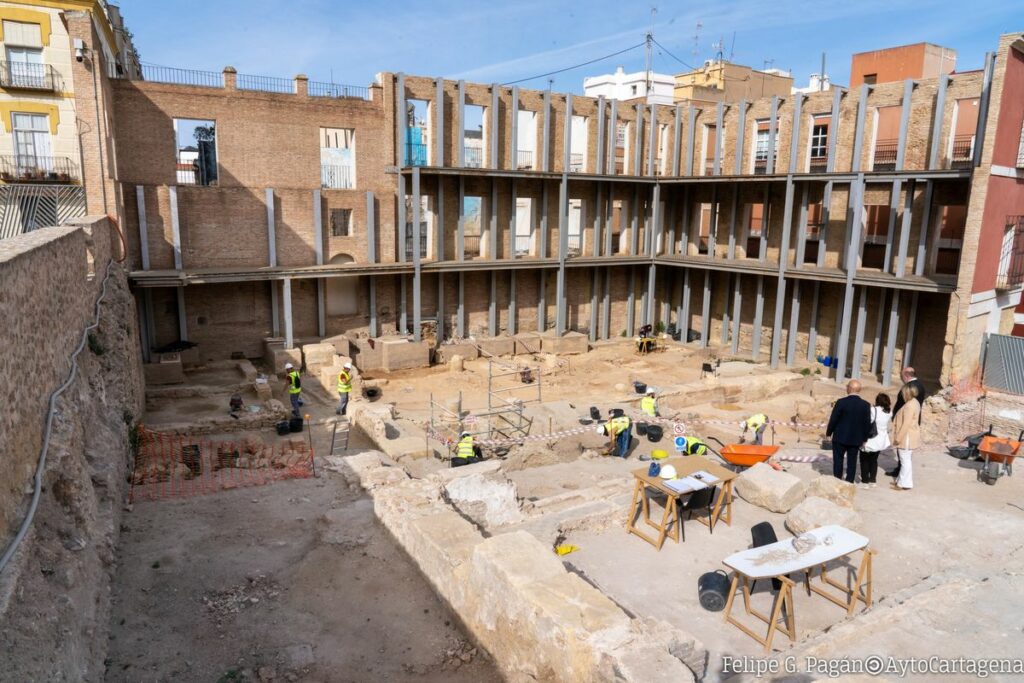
285	86
818	164
575	163
337	90
522	245
195	170
29	76
24	208
409	240
1011	255
169	74
963	152
415	154
524	160
574	244
1020	149
885	155
474	157
761	165
337	177
38	169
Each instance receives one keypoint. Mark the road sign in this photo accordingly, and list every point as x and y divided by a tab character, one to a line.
680	442
678	428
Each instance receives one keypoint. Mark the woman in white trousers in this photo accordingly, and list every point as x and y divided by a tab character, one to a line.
906	436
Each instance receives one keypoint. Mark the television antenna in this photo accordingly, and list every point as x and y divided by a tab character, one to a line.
696	39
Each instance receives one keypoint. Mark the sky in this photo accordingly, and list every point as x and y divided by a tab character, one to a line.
348	42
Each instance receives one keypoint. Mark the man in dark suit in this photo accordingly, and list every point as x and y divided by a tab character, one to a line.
909	376
848	426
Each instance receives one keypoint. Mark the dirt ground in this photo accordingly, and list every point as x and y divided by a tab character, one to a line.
295	580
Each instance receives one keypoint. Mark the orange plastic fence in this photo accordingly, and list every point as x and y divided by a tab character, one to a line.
177	466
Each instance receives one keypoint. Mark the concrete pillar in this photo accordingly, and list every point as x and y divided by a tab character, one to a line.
321	308
705	327
794	324
182	319
737	307
780	291
908	345
676	146
741	129
858	131
440	309
606	304
492	221
599	153
567	135
598	217
857	199
762	251
460	313
175	226
926	217
148	327
825	218
690	133
403	305
649	318
608	206
402	220
684	223
656	222
652	140
542	304
890	342
830	162
901	141
401	122
542	242
857	357
511	302
684	308
318	229
894	205
613	135
713	228
371	229
631	303
937	117
794	140
289	333
439	123
638	139
417	272
492	307
545	163
759	317
801	230
271	227
733	210
593	306
904	243
495	162
983	104
460	132
812	333
773	131
275	307
374	327
513	163
460	230
876	347
140	202
634	226
440	224
716	168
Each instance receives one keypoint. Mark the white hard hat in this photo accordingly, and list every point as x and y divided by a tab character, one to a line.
288	366
668	472
650	390
599	429
463	434
347	366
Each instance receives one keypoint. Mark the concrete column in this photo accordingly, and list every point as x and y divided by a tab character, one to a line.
271	227
514	126
908	345
613	135
513	198
656	221
183	320
690	133
460	312
983	103
495	125
371	229
937	116
684	308
275	309
794	324
593	306
439	226
542	303
492	307
149	321
705	327
289	333
460	230
812	334
801	230
726	318
492	221
545	163
631	302
608	221
833	126
321	308
598	217
737	307
716	168
403	306
904	243
794	140
599	153
857	357
652	140
460	132
402	220
894	205
780	291
926	217
439	122
773	131
374	328
879	318
511	302
673	219
318	229
649	318
826	214
606	304
401	121
417	276
762	251
684	223
441	335
759	317
741	128
676	146
890	342
857	198
567	135
638	139
140	202
634	226
901	143
733	209
713	228
175	226
858	131
542	242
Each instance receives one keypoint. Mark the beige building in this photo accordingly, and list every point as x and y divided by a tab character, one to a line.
722	81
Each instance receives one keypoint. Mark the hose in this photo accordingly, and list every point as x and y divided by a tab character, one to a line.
26	523
120	233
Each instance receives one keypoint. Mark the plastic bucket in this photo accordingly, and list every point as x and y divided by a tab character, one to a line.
617	412
641	428
640	387
295	424
654	433
595	414
283	428
713	590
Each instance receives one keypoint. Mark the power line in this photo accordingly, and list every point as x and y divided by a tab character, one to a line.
666	50
576	66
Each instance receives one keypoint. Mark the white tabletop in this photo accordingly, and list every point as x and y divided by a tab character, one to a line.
782	558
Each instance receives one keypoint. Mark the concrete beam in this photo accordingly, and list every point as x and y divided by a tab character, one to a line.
794	324
289	332
417	273
140	203
937	117
172	192
438	122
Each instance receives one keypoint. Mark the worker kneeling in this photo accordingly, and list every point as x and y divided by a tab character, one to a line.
694	446
757	424
466	453
619	430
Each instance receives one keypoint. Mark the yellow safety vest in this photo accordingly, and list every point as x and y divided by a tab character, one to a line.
293	382
465	449
695	446
344	383
756	421
649	405
617	425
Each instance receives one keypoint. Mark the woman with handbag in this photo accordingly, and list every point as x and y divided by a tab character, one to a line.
878	441
906	436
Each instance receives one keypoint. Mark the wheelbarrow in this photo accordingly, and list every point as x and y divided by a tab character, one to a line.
741	455
998	454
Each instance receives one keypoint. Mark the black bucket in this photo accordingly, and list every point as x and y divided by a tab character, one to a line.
654	433
640	387
713	590
372	393
295	424
283	428
617	412
192	458
595	414
641	428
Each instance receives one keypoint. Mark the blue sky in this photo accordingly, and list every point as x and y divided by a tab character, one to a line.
494	41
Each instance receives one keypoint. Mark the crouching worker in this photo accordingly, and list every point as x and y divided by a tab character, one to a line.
757	424
466	453
619	430
649	403
694	446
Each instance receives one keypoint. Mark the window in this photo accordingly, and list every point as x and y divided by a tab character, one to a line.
961	153
25	68
417	133
870	79
819	143
22	33
887	131
661	163
704	229
337	158
1020	147
578	145
341	222
633	88
876	229
473	137
524	226
952	220
575	238
32	143
526	139
621	147
755	229
471	226
710	142
761	138
425	220
815	227
1011	255
196	151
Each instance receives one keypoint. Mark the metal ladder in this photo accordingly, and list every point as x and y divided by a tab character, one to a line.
340	445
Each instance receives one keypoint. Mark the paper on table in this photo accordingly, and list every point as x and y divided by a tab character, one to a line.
685	485
705	477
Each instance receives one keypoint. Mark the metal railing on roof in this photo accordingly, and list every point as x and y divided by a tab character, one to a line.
337	90
169	74
265	83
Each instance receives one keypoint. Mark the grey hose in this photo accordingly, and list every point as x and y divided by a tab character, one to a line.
26	523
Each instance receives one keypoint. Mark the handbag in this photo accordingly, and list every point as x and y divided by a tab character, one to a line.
873	429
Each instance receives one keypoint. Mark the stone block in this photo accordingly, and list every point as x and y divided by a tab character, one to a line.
328	376
264	391
478	468
765	487
316	356
567	344
642	663
341	344
280	357
163	373
445	352
490	501
401	354
527	343
367	354
836	490
247	369
815	512
497	346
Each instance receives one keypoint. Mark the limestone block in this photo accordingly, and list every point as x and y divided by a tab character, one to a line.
478	468
465	349
497	346
163	373
642	663
340	343
316	356
815	512
490	501
247	369
567	344
680	644
836	490
367	353
456	364
527	343
776	491
280	357
275	406
264	391
400	354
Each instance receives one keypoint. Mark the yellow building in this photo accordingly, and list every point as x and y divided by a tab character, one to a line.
721	81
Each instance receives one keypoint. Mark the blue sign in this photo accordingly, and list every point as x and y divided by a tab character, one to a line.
680	442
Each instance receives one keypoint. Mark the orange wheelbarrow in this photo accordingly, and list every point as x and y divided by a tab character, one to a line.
998	454
742	455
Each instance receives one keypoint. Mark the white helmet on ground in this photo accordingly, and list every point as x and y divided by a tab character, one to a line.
600	430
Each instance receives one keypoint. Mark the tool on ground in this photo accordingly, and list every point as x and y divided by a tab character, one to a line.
339	436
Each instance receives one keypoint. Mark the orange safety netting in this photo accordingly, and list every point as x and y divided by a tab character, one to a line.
177	466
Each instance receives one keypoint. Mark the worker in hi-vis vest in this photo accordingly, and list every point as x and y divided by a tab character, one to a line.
619	429
649	403
694	446
757	424
344	388
294	389
466	451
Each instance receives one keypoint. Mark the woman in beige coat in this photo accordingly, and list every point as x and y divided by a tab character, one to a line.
906	436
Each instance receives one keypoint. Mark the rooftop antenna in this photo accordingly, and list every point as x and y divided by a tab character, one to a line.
696	39
821	78
732	48
649	40
768	63
717	47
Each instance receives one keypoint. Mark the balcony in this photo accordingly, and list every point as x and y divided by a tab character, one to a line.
474	157
522	246
524	160
335	177
761	165
574	244
819	164
575	162
885	155
28	76
38	169
1011	255
963	152
409	241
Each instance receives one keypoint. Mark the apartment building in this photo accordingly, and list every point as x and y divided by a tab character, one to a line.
624	86
891	64
54	54
720	80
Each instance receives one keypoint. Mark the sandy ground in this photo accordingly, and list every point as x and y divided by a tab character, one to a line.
295	580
